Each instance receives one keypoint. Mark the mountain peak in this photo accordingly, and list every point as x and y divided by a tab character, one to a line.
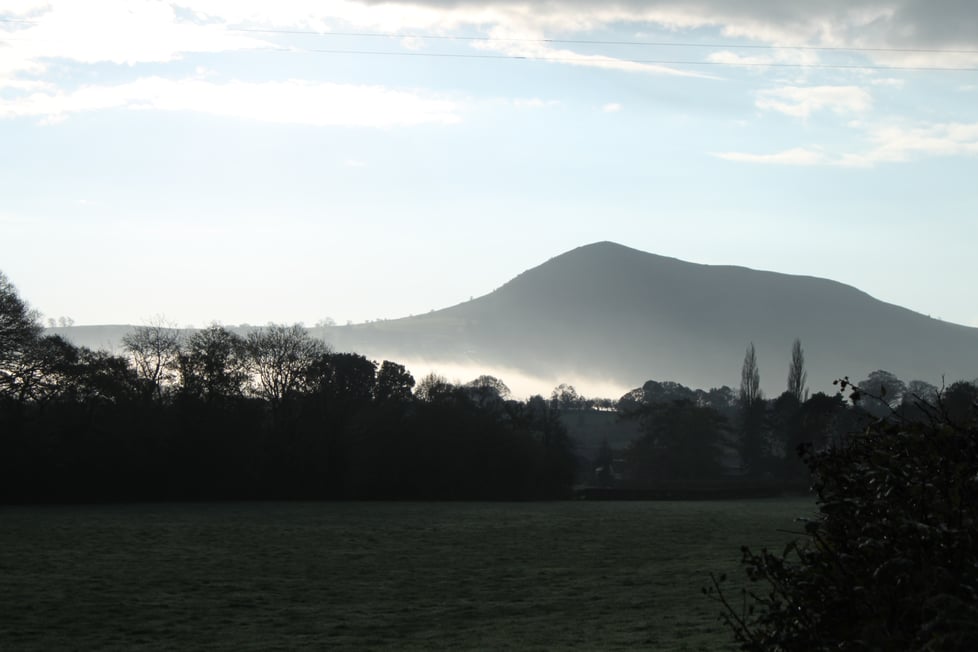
618	313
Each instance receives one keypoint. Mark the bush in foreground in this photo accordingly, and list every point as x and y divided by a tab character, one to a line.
891	563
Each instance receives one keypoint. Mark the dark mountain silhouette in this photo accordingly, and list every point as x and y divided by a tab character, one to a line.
610	312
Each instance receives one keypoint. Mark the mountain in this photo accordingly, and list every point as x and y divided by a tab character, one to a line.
611	313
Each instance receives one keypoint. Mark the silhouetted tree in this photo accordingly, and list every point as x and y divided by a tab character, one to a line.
213	365
922	391
153	350
348	380
750	379
917	401
279	361
565	397
881	392
102	379
681	444
432	387
637	402
722	399
797	376
19	332
45	369
960	402
394	383
488	392
752	447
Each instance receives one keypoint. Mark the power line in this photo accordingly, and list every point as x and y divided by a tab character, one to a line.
610	59
490	39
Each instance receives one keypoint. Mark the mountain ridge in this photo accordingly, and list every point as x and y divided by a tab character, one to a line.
616	314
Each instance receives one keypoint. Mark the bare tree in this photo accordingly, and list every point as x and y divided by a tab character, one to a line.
432	387
279	358
797	376
750	379
154	350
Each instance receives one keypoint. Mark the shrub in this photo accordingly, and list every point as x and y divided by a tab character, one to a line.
891	562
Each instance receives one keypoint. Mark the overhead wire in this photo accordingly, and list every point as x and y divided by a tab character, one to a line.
611	60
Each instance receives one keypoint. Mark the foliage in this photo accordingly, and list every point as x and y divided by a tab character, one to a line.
19	331
276	415
213	364
681	444
797	376
882	392
892	561
154	350
750	379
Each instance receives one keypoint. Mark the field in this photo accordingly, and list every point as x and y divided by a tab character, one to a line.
518	576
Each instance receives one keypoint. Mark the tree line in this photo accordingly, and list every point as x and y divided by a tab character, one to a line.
693	437
275	414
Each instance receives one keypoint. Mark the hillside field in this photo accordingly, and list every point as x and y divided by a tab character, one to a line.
258	576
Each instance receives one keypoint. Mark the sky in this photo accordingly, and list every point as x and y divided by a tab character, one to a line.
241	161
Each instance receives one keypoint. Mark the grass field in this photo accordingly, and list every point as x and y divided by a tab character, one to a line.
516	576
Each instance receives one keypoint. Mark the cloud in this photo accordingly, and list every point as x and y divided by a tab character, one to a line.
113	31
913	24
530	43
802	101
775	57
142	31
888	81
611	107
883	144
795	156
134	32
534	103
898	143
23	8
292	101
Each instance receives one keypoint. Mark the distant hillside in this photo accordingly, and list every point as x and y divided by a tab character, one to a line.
611	313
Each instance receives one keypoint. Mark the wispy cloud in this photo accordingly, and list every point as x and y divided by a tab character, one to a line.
794	156
892	82
112	31
882	144
292	101
899	143
534	103
611	107
802	101
532	44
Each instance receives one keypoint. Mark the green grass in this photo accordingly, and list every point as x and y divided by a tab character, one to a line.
524	576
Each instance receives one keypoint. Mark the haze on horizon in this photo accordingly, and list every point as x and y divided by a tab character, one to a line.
246	162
